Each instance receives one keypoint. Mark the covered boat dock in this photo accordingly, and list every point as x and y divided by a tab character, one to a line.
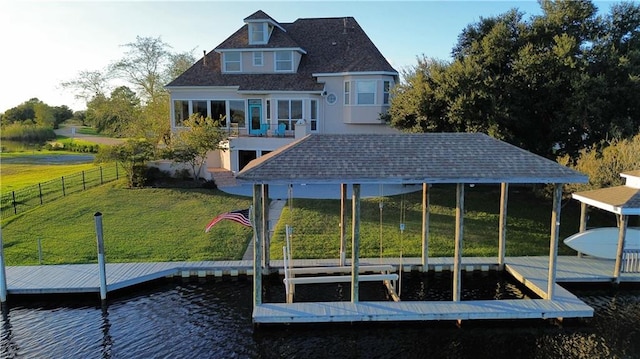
350	161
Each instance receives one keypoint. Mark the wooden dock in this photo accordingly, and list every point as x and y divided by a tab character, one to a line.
531	271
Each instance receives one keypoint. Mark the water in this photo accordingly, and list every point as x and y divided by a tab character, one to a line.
212	319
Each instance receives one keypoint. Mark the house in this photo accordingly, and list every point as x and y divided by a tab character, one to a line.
270	81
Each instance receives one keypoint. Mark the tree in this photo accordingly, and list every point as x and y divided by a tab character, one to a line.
37	112
132	156
89	84
143	65
554	85
192	144
114	115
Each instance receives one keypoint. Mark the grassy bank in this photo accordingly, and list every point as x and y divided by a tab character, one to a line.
317	234
24	169
168	225
139	225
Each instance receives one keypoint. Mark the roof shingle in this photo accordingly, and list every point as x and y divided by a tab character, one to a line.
332	45
405	158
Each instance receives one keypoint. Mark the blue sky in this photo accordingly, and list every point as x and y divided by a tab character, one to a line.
46	43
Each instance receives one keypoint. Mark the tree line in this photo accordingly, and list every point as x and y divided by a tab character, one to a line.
554	84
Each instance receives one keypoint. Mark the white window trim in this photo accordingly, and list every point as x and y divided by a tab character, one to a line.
265	33
275	60
224	62
292	121
347	93
261	57
375	93
388	92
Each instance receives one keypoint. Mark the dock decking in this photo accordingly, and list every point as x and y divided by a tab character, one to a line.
531	271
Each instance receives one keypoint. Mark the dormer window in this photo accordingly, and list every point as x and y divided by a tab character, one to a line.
284	61
258	33
232	62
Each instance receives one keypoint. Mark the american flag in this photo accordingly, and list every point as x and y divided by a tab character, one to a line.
240	216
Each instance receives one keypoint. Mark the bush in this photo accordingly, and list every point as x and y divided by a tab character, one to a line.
604	165
27	132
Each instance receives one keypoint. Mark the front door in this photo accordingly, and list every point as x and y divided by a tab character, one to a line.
255	115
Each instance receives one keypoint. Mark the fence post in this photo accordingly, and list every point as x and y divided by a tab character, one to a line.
84	186
40	251
15	206
101	264
40	190
101	180
63	191
117	171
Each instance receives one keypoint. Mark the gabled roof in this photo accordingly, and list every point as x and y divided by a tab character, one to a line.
260	16
405	159
332	45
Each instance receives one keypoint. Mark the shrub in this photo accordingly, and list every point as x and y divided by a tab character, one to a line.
27	132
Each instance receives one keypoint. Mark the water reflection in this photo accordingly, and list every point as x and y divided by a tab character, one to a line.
213	320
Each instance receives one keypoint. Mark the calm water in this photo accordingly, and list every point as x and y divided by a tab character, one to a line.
213	320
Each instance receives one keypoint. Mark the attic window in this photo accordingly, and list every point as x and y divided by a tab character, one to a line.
258	33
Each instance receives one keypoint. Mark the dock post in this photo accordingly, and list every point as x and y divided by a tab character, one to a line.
266	258
502	247
583	221
553	242
101	263
257	245
355	244
3	273
623	221
343	223
457	259
425	227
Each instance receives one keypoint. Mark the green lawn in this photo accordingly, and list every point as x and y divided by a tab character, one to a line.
154	224
19	169
317	234
139	225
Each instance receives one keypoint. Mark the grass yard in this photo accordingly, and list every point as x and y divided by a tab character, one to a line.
14	176
145	225
140	225
317	234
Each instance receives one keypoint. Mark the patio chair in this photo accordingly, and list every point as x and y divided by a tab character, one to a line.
280	131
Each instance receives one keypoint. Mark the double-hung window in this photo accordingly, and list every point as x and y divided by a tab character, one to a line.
232	62
284	61
257	33
258	58
347	92
366	92
386	86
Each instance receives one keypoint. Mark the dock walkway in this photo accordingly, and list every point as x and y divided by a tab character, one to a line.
531	271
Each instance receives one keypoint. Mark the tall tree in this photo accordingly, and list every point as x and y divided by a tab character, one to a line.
116	114
555	84
143	65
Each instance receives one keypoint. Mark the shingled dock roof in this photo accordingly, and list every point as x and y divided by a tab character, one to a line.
624	200
404	159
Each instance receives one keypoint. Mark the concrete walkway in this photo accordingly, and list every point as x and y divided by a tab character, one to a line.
275	209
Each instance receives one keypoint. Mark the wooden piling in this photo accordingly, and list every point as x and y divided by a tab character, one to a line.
101	262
